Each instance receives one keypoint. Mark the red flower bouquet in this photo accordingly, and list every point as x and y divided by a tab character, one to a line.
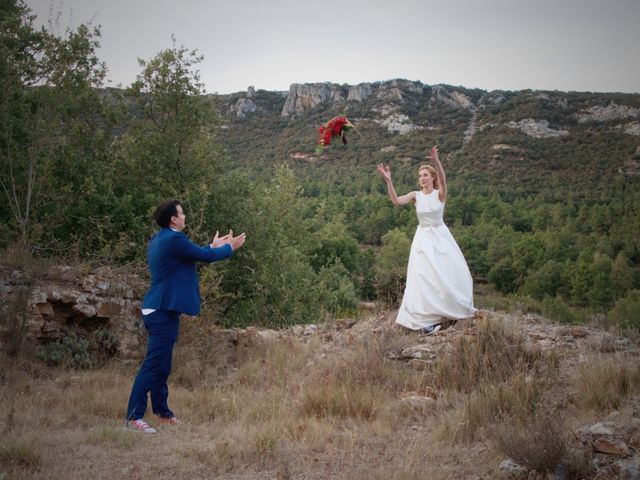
336	127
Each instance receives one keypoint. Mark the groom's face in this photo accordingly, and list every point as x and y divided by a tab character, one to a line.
178	220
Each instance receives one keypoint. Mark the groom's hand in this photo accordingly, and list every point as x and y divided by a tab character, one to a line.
236	242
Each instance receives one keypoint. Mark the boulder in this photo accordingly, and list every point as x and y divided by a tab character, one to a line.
84	310
611	446
110	308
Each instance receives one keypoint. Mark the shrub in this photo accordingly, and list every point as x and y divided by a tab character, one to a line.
18	453
71	351
106	342
546	281
391	269
626	312
337	290
557	310
505	276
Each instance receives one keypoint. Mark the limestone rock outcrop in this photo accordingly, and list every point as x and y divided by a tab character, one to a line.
245	106
359	93
398	122
612	111
303	97
631	128
537	128
451	98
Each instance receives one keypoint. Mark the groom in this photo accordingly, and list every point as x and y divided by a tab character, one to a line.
174	290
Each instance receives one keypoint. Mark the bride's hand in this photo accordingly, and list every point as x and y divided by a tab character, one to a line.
384	171
434	154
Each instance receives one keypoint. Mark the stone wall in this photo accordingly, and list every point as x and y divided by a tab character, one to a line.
63	301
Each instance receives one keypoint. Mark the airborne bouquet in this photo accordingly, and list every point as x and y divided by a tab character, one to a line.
336	127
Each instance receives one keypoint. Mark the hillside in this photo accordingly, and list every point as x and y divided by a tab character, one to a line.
524	141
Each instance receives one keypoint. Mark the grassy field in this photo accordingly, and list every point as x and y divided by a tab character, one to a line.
345	402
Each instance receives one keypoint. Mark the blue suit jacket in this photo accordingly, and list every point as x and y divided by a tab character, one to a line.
172	261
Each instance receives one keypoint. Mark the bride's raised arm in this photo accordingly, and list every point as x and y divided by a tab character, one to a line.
442	178
385	171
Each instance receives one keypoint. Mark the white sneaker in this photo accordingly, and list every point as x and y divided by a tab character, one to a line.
431	329
140	426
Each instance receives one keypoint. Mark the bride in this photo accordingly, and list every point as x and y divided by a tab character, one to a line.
439	284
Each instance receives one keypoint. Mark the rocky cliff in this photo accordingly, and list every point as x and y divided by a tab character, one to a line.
303	97
410	115
396	95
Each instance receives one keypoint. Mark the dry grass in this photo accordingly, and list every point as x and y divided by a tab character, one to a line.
493	355
359	383
603	383
20	455
538	442
287	407
518	397
493	375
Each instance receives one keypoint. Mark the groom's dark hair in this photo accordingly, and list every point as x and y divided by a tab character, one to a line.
165	211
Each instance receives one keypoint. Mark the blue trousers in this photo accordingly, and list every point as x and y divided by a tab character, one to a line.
163	327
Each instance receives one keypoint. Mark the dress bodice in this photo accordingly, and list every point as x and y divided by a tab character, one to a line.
430	209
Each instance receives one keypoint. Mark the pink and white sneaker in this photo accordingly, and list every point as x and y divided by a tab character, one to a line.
140	426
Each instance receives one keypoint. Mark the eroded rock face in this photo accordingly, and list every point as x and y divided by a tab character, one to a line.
398	122
537	128
359	93
451	98
303	97
631	128
612	111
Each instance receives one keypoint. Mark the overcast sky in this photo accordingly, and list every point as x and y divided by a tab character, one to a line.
579	45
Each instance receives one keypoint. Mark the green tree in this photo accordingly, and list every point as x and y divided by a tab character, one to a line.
52	122
548	280
272	282
169	150
601	292
626	312
505	276
391	269
339	294
622	275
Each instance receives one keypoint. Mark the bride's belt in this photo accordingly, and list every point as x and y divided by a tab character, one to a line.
431	225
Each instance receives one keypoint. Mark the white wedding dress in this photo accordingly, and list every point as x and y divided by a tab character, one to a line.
439	284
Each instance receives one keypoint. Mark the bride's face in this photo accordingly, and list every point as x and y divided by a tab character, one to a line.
425	178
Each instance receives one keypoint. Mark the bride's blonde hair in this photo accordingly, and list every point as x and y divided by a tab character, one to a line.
433	172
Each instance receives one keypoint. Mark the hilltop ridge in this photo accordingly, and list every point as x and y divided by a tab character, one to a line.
503	136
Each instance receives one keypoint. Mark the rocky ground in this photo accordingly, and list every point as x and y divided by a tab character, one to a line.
603	440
